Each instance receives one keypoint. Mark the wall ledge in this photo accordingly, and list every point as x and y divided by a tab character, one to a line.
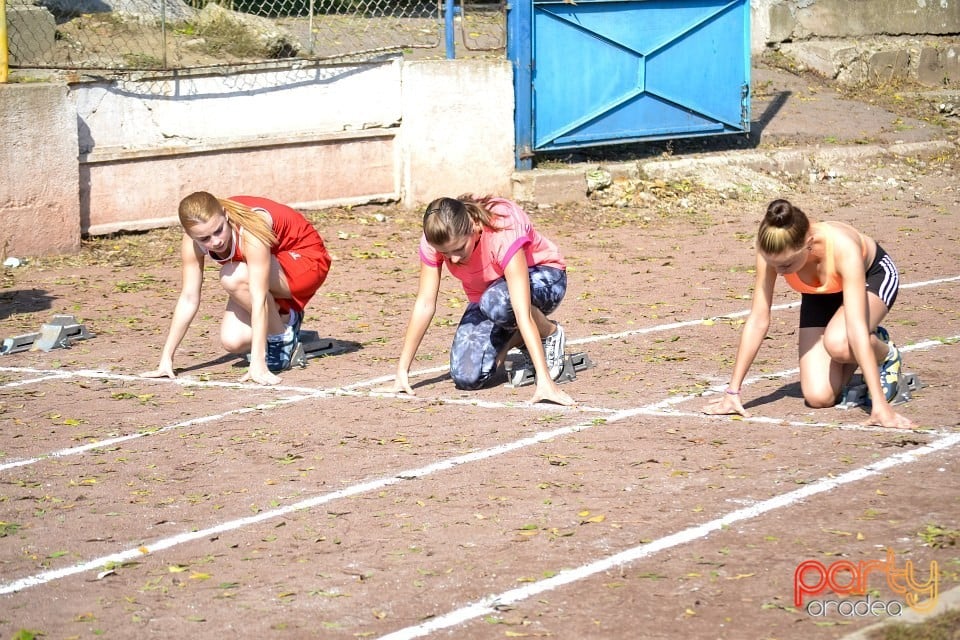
188	147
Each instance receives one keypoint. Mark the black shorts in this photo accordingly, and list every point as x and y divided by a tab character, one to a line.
883	279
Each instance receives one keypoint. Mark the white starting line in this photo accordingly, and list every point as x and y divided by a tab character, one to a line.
307	393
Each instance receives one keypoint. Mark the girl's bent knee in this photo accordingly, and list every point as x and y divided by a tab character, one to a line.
468	384
820	401
232	345
469	378
837	347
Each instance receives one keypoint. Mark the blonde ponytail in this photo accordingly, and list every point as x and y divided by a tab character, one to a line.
200	206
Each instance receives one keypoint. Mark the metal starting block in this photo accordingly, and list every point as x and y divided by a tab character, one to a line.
311	346
856	395
59	333
520	371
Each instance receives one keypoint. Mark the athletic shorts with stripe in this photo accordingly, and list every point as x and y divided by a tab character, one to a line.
883	279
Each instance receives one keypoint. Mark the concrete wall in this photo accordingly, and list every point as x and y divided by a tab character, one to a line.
39	208
864	41
299	136
775	21
457	133
393	131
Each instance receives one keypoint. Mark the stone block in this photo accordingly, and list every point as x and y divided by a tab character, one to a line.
825	57
888	66
939	67
782	23
564	185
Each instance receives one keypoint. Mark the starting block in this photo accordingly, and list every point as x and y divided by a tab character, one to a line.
856	395
520	371
311	346
59	333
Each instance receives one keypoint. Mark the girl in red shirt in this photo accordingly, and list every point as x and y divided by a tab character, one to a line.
272	262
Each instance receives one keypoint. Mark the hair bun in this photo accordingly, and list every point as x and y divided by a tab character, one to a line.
780	213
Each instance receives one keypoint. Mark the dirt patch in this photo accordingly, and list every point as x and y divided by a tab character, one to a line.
320	507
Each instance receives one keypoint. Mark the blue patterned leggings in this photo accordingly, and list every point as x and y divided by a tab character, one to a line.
487	326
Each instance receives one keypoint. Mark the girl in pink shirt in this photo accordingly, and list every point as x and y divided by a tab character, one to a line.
513	277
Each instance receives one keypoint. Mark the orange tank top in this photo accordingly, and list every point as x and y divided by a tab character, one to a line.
834	283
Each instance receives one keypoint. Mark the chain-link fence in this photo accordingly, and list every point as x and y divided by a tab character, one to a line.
188	34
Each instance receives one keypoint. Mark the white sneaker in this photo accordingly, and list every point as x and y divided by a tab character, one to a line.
519	366
553	346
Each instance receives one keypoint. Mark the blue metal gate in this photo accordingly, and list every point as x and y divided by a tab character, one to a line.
598	72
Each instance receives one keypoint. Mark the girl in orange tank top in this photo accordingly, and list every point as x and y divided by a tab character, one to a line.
847	284
831	281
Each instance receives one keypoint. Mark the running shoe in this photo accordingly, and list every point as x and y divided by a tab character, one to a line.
890	372
883	335
280	349
296	319
520	366
553	346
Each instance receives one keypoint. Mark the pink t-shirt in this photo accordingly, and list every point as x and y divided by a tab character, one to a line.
495	248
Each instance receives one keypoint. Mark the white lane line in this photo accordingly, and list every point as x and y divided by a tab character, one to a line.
62	375
729	316
651	409
71	451
183	381
391	377
363	487
842	426
927	283
653	329
489	605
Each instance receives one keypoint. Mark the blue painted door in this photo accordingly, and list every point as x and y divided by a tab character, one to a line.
597	72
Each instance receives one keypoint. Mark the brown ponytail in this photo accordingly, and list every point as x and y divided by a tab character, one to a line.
449	218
